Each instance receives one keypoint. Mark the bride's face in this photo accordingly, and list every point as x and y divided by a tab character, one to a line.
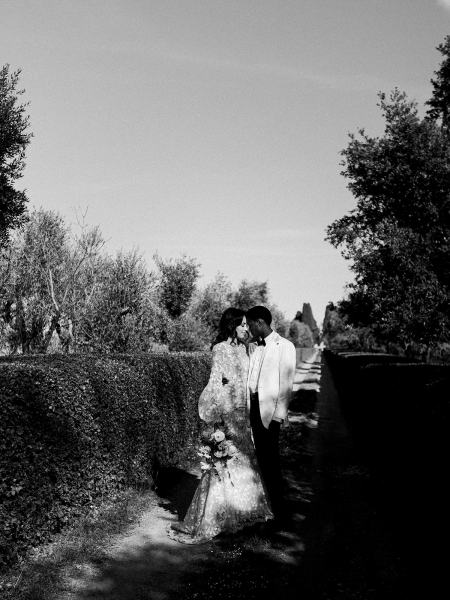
242	331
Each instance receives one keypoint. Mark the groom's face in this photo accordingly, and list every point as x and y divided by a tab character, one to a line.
255	328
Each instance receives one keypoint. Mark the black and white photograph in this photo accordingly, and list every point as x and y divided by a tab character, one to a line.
224	299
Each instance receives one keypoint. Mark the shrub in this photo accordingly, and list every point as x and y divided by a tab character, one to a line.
188	333
300	335
441	353
76	428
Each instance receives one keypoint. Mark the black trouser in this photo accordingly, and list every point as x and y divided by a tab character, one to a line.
267	453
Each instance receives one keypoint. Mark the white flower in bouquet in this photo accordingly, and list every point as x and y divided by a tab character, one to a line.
204	451
218	436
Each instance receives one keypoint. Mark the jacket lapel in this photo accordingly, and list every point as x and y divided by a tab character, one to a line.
269	355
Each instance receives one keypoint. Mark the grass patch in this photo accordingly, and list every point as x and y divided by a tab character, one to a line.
80	547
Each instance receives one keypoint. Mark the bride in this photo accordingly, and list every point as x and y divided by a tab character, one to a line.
230	495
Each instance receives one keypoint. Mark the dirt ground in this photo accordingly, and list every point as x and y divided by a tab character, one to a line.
334	544
144	563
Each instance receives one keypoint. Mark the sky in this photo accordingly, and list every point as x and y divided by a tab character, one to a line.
213	128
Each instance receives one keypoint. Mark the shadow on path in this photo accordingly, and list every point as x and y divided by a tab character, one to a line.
177	487
346	537
146	564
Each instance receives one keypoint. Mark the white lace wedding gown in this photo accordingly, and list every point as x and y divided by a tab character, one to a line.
234	497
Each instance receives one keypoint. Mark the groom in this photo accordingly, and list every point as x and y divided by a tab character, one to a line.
270	380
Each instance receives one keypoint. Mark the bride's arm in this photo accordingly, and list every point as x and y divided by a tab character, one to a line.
209	403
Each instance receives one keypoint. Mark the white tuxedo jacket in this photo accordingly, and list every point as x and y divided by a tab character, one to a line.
276	378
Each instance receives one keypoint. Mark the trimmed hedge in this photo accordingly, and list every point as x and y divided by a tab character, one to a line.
397	418
386	400
74	429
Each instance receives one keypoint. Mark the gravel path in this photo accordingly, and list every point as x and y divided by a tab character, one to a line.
145	563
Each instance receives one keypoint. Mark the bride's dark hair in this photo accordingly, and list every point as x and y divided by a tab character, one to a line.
230	319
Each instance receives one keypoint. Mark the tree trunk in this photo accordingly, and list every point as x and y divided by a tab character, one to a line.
24	338
66	336
54	325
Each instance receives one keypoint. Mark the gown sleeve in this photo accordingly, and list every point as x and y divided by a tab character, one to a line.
210	403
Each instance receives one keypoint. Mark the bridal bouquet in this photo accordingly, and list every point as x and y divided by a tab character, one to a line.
216	448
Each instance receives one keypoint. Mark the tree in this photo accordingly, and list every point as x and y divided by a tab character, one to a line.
339	334
439	103
251	293
279	322
40	284
33	268
189	334
332	323
398	236
122	313
300	334
14	138
177	282
59	292
308	319
209	303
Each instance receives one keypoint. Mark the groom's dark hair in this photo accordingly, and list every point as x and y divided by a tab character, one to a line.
259	312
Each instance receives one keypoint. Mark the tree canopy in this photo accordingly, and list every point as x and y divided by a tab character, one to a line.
14	139
251	293
439	103
177	282
398	235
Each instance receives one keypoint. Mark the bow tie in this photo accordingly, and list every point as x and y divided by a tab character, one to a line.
261	342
